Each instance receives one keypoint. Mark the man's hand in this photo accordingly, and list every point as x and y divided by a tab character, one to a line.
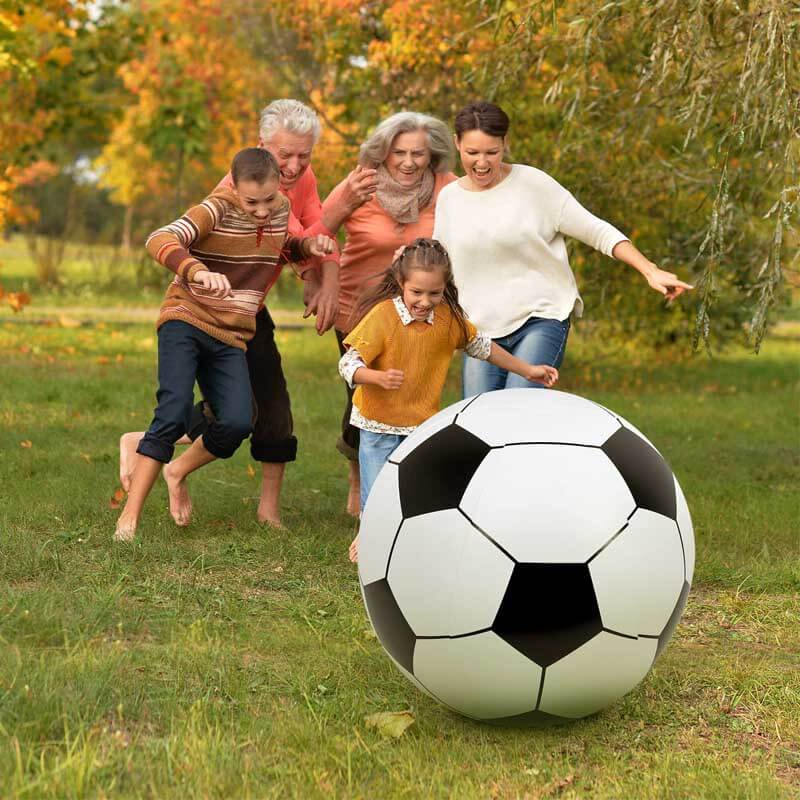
320	245
217	283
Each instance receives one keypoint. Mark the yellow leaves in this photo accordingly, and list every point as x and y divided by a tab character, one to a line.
26	443
60	55
392	724
250	471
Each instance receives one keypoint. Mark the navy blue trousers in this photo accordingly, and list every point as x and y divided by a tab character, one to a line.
186	354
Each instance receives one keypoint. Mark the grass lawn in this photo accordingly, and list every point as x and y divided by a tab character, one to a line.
227	660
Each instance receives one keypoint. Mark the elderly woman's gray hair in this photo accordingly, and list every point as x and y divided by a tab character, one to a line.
291	115
440	141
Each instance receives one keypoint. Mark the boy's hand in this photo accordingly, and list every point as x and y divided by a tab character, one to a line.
217	283
542	373
320	245
390	378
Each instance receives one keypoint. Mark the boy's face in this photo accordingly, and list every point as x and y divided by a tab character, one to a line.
259	200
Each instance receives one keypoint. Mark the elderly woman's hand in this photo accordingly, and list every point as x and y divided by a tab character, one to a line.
359	187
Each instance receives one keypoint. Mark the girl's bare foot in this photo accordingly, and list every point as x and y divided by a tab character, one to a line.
180	504
128	443
126	530
353	551
354	494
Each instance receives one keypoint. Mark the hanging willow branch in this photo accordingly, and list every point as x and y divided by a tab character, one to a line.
725	71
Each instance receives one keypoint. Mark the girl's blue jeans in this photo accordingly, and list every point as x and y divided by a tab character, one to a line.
537	341
374	450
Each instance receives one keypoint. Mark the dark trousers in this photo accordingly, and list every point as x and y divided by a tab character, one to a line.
272	439
186	354
347	443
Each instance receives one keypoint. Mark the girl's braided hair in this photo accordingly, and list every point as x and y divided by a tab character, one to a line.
424	254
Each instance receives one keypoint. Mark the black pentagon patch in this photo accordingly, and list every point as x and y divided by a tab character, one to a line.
435	475
393	631
648	476
673	620
548	610
530	719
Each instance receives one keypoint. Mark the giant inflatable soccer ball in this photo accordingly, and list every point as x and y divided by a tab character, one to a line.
525	556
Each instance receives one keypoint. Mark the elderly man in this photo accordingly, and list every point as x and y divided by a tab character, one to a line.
289	130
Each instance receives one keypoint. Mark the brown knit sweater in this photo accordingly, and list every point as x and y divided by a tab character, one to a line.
219	236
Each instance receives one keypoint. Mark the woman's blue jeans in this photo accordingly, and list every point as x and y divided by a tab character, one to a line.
374	450
537	341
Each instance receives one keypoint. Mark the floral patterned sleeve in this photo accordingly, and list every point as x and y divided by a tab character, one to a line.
349	363
479	346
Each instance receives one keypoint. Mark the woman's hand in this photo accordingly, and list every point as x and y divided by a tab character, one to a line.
359	188
217	283
320	245
666	283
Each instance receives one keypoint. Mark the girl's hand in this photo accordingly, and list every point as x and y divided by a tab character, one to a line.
390	378
217	283
543	373
320	245
666	283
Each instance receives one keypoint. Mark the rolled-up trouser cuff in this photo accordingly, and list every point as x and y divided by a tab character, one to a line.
225	448
277	453
154	448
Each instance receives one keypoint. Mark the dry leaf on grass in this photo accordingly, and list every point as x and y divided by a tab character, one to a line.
26	443
68	322
117	498
250	471
390	723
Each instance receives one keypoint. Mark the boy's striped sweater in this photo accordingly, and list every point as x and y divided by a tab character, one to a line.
219	236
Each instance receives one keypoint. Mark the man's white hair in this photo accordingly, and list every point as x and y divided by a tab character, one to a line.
292	116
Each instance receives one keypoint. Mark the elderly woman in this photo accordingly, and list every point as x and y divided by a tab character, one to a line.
504	226
412	156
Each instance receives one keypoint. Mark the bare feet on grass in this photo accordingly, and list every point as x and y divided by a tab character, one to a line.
354	493
353	551
269	504
128	443
180	504
126	530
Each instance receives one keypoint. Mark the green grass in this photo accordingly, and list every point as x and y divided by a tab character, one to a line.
228	660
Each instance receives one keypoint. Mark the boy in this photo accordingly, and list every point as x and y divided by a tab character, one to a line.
226	253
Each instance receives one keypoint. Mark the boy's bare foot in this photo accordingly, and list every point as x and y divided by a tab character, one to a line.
125	531
353	551
128	443
180	504
354	494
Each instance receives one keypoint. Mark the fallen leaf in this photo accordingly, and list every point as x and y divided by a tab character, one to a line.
554	787
102	359
86	457
18	300
119	358
68	322
250	471
26	443
117	498
390	723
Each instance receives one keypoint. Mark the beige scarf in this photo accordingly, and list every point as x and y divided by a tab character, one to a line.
403	203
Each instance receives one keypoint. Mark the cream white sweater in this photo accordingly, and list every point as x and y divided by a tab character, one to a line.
508	250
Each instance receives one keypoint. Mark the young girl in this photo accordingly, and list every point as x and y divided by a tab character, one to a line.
400	351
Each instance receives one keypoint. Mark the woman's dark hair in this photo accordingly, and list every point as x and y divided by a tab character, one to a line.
254	164
427	255
483	116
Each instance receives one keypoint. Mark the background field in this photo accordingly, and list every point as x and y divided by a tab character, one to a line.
230	660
